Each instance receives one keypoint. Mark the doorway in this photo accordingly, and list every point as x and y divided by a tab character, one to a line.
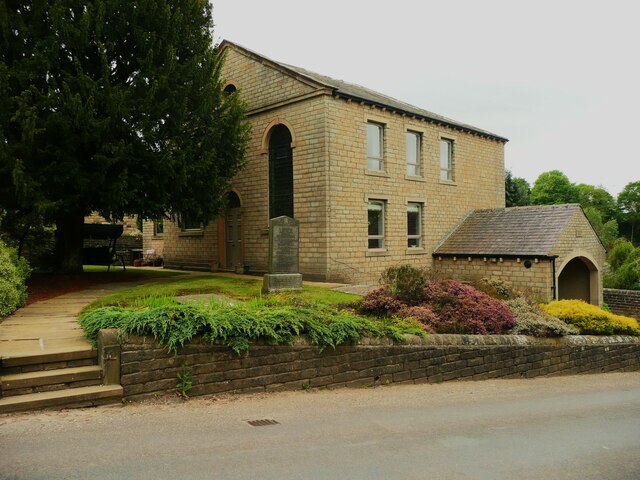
233	232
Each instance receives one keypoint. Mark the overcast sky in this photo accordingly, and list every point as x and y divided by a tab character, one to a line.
560	79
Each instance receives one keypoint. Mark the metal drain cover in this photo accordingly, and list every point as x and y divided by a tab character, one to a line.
262	423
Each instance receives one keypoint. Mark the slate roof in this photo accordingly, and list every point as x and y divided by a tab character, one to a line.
524	231
356	92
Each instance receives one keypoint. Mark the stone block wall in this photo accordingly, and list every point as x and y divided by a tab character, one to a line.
478	169
148	369
536	281
623	302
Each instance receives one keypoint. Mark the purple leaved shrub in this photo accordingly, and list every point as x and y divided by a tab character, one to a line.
381	302
447	306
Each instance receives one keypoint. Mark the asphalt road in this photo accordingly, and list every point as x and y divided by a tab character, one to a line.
582	427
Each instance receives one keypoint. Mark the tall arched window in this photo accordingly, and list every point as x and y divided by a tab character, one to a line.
280	172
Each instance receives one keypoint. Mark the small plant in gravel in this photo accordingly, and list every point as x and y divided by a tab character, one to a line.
531	320
184	383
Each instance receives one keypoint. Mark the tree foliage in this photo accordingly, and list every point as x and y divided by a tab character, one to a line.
116	107
552	188
517	191
624	263
607	231
590	196
629	206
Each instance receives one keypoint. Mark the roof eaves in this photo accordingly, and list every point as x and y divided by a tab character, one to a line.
438	121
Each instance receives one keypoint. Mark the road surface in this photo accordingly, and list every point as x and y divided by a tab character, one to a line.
580	427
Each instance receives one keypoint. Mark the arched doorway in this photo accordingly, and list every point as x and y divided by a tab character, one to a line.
233	232
280	172
579	280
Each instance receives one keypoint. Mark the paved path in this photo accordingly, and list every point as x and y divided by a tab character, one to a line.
581	427
50	326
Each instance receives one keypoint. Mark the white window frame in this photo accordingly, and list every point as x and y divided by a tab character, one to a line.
417	166
417	236
380	235
446	172
376	163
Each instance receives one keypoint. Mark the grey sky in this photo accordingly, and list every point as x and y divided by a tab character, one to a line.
560	79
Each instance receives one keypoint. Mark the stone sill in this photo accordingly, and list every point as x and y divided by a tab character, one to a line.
415	251
377	253
448	182
191	233
415	179
377	173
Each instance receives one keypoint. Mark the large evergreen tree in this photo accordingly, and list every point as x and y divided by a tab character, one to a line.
113	106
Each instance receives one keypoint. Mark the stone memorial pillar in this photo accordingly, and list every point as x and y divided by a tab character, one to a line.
283	256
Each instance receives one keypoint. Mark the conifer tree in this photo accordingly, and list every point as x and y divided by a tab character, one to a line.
114	106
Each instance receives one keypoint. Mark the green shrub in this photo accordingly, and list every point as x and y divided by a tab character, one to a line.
624	261
14	271
406	283
531	320
591	320
496	288
238	325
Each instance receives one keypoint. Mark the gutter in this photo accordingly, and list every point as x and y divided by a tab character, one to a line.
440	121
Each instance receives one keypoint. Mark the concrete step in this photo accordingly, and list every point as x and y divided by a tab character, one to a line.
48	380
69	398
17	358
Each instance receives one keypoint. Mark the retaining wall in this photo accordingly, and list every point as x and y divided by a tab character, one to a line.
623	302
147	369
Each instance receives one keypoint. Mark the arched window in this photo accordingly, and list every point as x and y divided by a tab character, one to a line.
280	172
230	89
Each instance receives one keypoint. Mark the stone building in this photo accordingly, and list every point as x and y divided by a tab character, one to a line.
373	181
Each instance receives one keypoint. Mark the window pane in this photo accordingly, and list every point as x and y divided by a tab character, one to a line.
445	160
375	219
376	225
413	153
374	140
413	224
159	226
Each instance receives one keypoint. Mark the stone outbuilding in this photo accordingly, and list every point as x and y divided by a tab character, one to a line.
551	251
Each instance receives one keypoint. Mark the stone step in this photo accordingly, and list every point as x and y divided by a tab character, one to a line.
69	398
54	355
48	380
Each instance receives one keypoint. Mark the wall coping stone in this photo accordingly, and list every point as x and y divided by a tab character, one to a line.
433	340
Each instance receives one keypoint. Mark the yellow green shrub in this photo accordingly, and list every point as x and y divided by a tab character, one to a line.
591	320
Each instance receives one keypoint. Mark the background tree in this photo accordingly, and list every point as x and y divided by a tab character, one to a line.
552	188
606	230
629	206
113	106
517	191
598	198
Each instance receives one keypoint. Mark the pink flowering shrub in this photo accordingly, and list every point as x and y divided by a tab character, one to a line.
448	306
381	302
464	309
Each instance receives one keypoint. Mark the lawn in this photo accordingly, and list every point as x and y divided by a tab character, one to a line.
240	315
238	288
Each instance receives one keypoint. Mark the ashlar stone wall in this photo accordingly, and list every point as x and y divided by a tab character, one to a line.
147	369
